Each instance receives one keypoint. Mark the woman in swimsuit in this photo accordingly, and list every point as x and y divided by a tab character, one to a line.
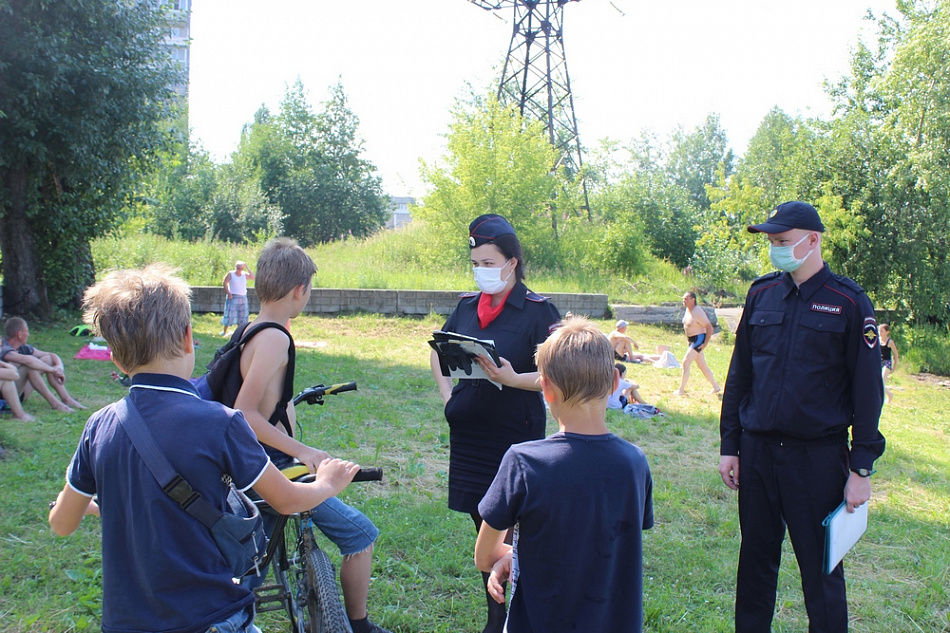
889	357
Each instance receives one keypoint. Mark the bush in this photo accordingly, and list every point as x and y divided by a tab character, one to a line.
923	348
201	263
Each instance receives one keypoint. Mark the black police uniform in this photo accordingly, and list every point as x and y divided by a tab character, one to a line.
483	420
806	367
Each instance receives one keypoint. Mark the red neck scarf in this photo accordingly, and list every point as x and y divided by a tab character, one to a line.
487	313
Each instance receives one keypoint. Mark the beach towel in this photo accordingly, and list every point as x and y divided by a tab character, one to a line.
667	361
92	351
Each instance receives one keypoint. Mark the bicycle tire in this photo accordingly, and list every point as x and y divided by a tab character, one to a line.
324	608
289	573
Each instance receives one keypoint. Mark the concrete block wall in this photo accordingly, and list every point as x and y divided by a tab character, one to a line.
660	315
423	302
394	302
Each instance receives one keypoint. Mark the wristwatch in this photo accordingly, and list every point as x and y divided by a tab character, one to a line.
863	472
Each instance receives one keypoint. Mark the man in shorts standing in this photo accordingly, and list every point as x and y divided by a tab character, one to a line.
699	331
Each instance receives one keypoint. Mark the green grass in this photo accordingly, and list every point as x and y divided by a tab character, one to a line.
424	579
403	259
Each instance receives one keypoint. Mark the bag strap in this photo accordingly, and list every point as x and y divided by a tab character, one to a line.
173	484
280	410
247	332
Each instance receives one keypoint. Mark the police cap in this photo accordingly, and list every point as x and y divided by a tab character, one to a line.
788	216
486	228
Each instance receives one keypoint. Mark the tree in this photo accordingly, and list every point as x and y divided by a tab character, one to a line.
239	211
180	193
782	158
497	162
660	211
694	158
190	197
725	250
310	166
891	140
85	87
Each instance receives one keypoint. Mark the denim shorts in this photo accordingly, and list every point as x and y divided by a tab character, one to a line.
240	622
348	528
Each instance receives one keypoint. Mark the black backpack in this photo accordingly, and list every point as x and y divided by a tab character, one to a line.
222	382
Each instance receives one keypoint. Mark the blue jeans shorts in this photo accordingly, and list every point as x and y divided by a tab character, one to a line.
240	622
349	529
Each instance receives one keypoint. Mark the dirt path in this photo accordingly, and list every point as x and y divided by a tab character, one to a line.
729	317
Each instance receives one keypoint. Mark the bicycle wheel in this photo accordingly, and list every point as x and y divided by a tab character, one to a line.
294	577
324	608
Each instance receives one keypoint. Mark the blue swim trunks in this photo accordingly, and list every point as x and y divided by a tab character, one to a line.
695	342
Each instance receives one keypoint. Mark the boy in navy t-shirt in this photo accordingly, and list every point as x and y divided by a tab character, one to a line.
577	502
161	568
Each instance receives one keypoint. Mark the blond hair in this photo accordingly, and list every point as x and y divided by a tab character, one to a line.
282	266
142	314
579	360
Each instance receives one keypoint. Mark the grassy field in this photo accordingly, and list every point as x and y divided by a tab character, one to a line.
405	259
424	579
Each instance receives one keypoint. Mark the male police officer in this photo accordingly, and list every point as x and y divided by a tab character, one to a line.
806	367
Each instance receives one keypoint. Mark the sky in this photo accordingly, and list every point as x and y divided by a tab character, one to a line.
634	65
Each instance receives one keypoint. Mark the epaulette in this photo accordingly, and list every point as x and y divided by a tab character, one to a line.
769	277
468	295
849	283
533	296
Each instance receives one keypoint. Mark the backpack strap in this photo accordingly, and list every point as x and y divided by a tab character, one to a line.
173	484
279	416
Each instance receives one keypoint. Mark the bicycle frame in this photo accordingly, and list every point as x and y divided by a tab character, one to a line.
304	583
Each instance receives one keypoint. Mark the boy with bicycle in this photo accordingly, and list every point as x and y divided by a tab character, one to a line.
283	283
161	569
582	492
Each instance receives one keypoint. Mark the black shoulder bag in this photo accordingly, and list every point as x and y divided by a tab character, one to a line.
239	533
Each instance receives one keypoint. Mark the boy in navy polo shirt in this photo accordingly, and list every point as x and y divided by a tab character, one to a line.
161	568
578	502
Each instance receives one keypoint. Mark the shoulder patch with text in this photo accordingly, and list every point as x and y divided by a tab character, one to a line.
870	332
825	308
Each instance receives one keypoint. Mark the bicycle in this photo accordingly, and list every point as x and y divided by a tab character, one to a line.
304	576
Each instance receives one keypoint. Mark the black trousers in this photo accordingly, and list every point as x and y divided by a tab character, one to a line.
794	484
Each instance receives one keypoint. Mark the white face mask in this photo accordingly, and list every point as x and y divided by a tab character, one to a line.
489	280
783	257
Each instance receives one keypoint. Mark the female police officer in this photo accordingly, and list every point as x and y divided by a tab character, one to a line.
483	420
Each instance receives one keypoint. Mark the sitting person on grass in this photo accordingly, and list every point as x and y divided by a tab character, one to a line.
33	364
626	391
9	376
623	344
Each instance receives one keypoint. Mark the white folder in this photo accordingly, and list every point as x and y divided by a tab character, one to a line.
842	530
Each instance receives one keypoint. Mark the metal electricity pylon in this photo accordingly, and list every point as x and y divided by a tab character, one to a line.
535	75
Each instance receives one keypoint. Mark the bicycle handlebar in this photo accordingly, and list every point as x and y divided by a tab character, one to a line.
314	394
369	474
363	474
